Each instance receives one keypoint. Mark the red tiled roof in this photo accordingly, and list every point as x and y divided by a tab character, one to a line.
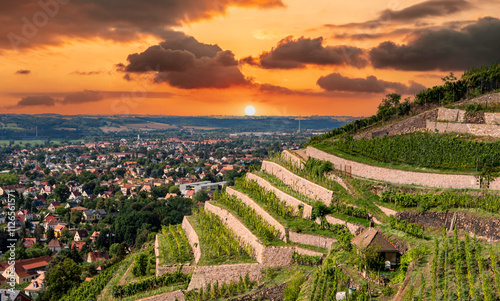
78	245
54	243
20	269
35	265
373	237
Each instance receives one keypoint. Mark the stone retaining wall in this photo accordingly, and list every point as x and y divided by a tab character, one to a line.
404	126
224	274
339	180
293	158
492	118
193	239
487	228
353	228
157	253
466	128
267	255
395	175
312	240
300	184
451	115
259	210
495	184
163	270
284	197
246	236
172	296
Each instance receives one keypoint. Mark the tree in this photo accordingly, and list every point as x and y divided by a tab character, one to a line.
174	189
38	232
9	179
76	216
61	193
140	265
50	234
120	171
388	106
201	196
118	250
141	238
61	278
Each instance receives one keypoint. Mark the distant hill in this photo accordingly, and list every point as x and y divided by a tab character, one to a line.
53	126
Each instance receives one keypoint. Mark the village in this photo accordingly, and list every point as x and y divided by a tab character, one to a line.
72	201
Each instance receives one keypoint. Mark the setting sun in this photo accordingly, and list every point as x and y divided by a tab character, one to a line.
249	110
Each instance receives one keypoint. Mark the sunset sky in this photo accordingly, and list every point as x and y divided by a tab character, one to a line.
216	57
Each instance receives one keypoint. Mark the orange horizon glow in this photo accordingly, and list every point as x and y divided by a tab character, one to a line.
57	63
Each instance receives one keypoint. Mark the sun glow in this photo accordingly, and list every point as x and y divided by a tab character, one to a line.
249	110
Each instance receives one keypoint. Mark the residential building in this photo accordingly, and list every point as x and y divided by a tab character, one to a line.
25	269
94	214
54	245
96	256
80	235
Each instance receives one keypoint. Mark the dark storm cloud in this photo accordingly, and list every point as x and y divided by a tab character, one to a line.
446	49
41	100
83	97
371	84
156	58
23	71
219	72
49	22
290	53
408	15
425	9
183	62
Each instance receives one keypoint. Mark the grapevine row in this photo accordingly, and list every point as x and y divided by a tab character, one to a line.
252	220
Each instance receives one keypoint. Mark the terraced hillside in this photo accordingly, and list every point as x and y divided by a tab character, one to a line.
408	215
288	230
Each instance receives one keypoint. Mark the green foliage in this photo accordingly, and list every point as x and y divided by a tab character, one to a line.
140	265
259	194
219	243
349	210
411	256
201	196
61	193
326	281
413	149
178	277
9	179
306	259
311	172
342	233
488	202
174	245
293	287
407	227
61	278
215	291
252	219
90	290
